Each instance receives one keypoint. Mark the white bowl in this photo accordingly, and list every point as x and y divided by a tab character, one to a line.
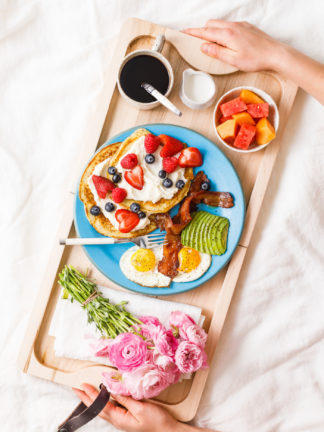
234	93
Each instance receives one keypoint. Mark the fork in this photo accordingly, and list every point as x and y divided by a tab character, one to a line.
147	241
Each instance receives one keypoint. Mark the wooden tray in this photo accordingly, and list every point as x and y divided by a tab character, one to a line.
37	354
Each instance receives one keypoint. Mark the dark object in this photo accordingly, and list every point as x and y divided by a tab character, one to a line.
205	185
180	184
149	158
112	170
167	183
144	68
109	207
116	178
82	415
141	215
135	207
95	210
162	174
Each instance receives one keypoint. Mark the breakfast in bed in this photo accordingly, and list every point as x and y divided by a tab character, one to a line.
131	188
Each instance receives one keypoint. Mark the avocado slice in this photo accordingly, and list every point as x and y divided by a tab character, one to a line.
206	233
214	222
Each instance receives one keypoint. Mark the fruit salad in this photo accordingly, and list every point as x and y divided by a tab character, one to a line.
243	122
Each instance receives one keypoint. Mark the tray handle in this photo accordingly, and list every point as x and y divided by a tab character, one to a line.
189	48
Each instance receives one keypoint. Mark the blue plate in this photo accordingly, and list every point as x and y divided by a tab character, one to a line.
223	177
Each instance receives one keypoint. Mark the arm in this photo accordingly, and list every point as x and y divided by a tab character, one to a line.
135	416
249	49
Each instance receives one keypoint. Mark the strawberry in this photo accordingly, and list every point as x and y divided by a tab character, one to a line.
171	146
102	185
127	220
129	161
135	177
151	143
190	157
118	194
169	164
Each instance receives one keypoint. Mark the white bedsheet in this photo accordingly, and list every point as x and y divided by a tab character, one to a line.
268	374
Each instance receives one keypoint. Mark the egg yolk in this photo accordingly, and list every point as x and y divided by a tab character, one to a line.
143	260
189	259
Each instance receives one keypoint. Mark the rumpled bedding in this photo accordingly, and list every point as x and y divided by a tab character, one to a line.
267	374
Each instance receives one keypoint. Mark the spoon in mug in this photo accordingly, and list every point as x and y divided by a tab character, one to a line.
161	98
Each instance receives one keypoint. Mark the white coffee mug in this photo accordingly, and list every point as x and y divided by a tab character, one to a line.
155	51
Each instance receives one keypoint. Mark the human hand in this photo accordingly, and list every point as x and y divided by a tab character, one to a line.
136	416
239	44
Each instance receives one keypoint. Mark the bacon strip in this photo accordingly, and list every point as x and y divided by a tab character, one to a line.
170	262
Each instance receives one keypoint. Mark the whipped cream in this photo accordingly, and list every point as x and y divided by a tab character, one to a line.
153	190
101	170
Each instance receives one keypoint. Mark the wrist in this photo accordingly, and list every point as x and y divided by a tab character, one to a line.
283	60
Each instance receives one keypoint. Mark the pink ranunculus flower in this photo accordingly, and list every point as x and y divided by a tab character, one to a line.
148	319
146	382
115	382
189	357
100	348
165	342
127	352
168	366
179	319
193	333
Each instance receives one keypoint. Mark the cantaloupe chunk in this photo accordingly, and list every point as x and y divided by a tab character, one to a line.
227	130
243	117
249	97
264	131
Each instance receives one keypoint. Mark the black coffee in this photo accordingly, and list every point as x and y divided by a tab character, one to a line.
143	68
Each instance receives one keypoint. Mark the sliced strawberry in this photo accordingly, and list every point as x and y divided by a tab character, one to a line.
119	194
129	161
135	177
190	157
171	146
151	143
102	185
120	213
127	220
169	164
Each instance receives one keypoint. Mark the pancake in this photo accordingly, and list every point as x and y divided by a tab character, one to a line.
100	222
163	205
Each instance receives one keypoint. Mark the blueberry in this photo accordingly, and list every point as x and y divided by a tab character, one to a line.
180	184
205	185
112	170
167	183
149	158
135	207
141	215
95	210
109	207
162	174
116	178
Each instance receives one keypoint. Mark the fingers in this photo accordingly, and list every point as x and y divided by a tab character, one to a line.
131	404
222	36
216	51
82	396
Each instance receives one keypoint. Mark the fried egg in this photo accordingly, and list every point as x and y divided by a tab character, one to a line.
141	266
192	264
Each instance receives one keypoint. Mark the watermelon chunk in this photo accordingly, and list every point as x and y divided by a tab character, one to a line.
245	136
224	119
258	110
232	107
